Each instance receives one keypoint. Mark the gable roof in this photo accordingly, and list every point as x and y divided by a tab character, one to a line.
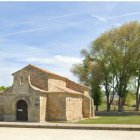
51	73
40	69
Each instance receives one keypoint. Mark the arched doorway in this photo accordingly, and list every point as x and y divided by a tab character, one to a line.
22	110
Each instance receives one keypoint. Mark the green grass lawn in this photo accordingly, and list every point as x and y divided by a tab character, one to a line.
112	120
126	108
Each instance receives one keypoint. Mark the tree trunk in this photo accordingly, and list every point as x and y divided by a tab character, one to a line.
119	108
96	107
108	104
137	94
120	105
137	102
108	107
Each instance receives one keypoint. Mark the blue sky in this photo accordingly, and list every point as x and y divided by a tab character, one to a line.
52	34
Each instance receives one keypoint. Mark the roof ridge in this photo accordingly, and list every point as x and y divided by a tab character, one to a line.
43	70
56	75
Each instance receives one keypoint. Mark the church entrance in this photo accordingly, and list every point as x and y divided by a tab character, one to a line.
22	111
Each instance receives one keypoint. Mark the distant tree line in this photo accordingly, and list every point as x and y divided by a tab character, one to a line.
2	88
112	62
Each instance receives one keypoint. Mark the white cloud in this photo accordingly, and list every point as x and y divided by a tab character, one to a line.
99	18
40	24
60	26
124	15
63	16
54	60
5	73
24	31
103	19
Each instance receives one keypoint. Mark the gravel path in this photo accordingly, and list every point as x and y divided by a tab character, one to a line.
7	133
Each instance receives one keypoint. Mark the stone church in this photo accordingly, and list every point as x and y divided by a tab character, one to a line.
38	95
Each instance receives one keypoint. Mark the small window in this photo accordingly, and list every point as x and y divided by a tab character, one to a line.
21	80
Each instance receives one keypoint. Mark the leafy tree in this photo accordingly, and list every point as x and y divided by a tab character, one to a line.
130	98
118	51
95	82
2	88
88	74
83	70
116	54
107	80
97	95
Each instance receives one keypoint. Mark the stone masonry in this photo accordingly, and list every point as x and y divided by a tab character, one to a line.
38	95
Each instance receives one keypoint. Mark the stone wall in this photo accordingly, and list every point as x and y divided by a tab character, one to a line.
88	107
73	108
56	107
68	106
43	101
34	108
1	107
20	83
55	82
38	77
10	107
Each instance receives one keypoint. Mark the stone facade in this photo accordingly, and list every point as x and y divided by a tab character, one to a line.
38	95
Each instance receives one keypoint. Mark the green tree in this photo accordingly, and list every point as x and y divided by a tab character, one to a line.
130	99
2	88
117	52
83	70
89	74
95	82
97	95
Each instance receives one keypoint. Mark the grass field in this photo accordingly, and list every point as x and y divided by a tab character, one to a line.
126	108
112	120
